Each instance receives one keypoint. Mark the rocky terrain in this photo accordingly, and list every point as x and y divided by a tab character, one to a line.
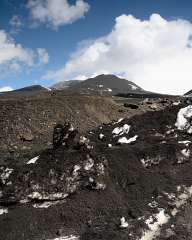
27	121
127	176
76	165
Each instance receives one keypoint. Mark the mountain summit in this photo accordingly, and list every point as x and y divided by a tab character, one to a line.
103	83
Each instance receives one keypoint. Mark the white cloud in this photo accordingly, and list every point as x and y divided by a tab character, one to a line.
10	51
6	89
43	56
15	21
13	56
58	12
155	53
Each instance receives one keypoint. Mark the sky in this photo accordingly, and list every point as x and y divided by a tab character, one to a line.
148	42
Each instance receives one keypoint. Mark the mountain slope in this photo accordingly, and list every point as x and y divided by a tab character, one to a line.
189	93
104	84
26	91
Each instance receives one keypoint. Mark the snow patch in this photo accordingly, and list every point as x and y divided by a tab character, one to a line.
183	119
89	164
133	87
154	224
176	103
71	237
101	136
109	90
125	140
33	160
3	211
5	175
121	130
123	223
186	153
186	142
148	162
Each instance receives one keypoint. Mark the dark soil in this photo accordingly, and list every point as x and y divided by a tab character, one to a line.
118	181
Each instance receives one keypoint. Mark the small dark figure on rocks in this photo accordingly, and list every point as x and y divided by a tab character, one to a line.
58	134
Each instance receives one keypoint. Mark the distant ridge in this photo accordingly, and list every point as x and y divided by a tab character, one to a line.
101	83
26	91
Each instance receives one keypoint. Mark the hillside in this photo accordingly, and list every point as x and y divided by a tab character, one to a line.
26	91
105	84
131	180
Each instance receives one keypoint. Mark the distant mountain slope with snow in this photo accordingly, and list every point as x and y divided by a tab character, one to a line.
103	84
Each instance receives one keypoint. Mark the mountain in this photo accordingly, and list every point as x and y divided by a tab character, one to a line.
189	94
110	84
26	91
65	84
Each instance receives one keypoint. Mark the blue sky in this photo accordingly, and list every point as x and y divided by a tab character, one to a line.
61	40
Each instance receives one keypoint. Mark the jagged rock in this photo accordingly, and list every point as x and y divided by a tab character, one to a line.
131	105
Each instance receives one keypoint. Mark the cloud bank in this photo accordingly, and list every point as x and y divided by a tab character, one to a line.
58	12
14	57
154	53
5	89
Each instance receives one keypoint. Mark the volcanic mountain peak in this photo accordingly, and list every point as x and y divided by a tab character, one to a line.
102	83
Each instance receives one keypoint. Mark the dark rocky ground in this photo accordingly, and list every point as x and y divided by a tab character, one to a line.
70	193
26	122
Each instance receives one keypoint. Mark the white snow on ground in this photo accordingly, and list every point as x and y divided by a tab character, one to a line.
154	223
149	161
100	86
3	211
5	175
176	103
47	204
123	223
109	90
121	130
125	140
33	160
89	164
101	136
120	120
71	237
75	170
183	117
133	87
186	142
186	153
